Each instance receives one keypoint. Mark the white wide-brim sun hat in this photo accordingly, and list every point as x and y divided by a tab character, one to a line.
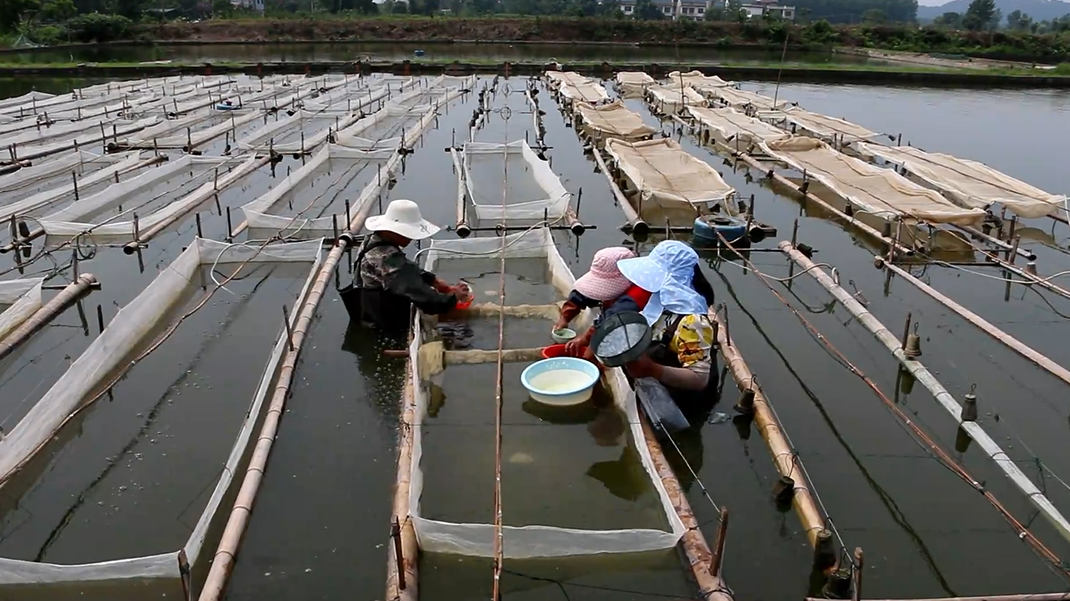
403	218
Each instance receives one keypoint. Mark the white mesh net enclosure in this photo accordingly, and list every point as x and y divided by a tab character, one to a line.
131	328
159	193
634	78
314	198
25	199
613	120
969	183
876	190
573	86
297	133
698	81
674	99
194	130
19	299
733	128
43	175
402	119
829	129
531	188
746	100
595	489
88	138
174	202
664	173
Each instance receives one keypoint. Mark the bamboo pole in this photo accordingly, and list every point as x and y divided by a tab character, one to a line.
1015	597
942	396
780	179
226	552
1033	279
693	543
784	458
1014	344
204	193
462	220
44	315
410	549
635	222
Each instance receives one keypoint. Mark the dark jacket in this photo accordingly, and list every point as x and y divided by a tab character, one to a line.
390	284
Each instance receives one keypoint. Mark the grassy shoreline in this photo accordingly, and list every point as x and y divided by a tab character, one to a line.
817	73
540	31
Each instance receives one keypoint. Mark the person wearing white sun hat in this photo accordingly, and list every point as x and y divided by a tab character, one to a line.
388	282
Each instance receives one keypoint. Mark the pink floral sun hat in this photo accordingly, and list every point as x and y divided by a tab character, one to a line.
604	281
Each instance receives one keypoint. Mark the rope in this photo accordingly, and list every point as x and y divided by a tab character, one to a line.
498	392
923	438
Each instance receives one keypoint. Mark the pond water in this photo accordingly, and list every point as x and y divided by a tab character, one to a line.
319	528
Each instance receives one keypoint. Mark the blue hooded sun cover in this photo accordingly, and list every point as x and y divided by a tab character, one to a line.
667	273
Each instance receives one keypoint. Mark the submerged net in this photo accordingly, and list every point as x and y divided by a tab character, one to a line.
731	127
19	299
881	192
665	173
969	183
533	189
131	327
475	537
613	120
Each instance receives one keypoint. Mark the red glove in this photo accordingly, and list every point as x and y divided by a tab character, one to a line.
644	367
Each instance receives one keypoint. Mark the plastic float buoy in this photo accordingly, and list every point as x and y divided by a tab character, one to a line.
733	229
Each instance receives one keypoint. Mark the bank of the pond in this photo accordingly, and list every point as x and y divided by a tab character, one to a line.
831	73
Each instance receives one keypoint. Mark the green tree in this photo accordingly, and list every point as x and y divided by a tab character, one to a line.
222	8
874	16
979	15
1019	21
58	10
950	20
13	11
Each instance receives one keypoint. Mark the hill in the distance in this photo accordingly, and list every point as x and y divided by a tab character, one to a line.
1040	10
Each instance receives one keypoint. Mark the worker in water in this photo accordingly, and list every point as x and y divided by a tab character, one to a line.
682	355
389	283
604	287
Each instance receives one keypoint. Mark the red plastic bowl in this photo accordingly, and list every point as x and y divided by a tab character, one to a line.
555	350
462	305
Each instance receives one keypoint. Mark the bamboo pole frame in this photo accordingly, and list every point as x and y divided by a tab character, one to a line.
806	508
74	291
226	553
635	222
403	584
1015	597
1011	342
942	396
808	197
693	544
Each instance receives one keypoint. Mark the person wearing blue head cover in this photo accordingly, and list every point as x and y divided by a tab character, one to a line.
682	352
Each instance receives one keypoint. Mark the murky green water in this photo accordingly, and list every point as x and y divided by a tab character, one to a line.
319	529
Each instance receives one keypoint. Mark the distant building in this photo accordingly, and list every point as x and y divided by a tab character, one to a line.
769	8
257	5
692	9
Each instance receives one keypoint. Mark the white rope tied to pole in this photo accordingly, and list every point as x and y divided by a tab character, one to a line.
942	396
